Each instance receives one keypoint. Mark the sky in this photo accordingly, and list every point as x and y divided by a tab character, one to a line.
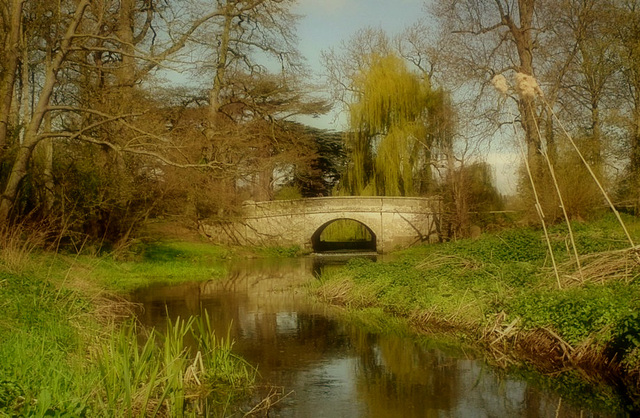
327	23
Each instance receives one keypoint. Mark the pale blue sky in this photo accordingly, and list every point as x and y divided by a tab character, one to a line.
326	23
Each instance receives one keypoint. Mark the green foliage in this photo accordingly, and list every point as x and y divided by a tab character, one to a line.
288	193
514	245
626	333
345	230
388	141
577	313
325	171
279	252
479	184
604	234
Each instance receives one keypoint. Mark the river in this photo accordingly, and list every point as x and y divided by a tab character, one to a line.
328	366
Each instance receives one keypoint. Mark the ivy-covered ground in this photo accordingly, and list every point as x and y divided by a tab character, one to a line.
501	291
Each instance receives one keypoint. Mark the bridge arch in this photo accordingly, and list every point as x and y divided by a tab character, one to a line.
319	245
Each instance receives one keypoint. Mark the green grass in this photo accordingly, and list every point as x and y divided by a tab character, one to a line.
501	287
63	354
161	262
42	348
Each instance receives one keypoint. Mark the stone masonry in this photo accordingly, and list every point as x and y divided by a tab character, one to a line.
395	222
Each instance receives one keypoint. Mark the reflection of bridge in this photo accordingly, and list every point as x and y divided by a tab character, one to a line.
393	222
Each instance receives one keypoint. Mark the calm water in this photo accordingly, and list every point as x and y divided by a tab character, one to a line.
332	368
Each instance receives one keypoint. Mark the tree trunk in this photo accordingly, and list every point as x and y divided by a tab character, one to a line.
221	66
31	137
524	46
635	157
11	58
521	33
595	150
126	74
44	158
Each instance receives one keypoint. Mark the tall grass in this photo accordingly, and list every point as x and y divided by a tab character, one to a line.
17	243
167	376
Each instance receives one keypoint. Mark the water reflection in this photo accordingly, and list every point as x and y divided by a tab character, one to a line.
334	368
323	261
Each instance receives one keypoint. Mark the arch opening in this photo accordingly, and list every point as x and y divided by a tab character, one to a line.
343	235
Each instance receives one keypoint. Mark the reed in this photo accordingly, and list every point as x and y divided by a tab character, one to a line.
17	243
68	352
168	376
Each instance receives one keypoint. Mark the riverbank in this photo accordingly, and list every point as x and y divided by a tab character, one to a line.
501	292
69	346
64	350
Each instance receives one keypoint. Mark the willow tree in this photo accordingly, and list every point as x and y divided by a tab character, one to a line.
388	139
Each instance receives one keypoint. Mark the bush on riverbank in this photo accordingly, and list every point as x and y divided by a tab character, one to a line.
501	290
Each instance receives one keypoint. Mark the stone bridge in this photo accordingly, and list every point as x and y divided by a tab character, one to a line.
393	222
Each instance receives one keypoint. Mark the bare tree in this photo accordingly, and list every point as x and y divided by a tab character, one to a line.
242	29
625	29
89	47
582	80
489	37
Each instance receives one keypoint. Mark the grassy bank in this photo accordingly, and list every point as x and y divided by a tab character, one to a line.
68	349
161	262
500	291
